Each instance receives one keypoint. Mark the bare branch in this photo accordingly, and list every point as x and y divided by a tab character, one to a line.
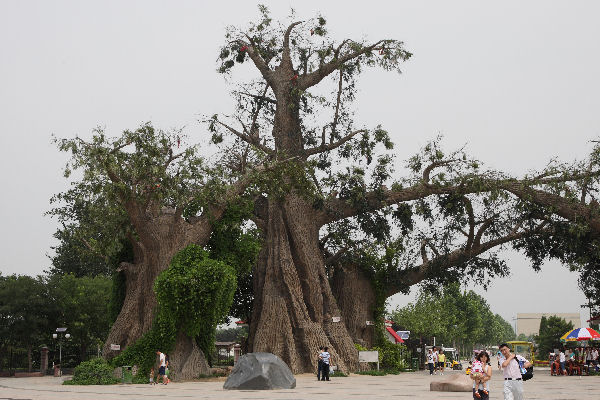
432	166
263	97
246	138
332	146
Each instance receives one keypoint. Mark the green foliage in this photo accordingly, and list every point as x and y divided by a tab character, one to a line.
143	352
374	372
94	372
453	315
231	334
25	311
81	306
117	295
551	330
392	357
233	244
197	292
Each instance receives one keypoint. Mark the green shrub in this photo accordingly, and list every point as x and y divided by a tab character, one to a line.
93	372
373	372
392	356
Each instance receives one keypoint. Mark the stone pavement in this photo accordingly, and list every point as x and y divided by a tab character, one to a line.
408	385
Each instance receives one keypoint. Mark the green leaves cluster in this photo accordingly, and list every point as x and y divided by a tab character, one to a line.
196	291
551	330
453	315
93	372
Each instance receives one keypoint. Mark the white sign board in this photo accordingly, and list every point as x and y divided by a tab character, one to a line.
115	347
368	356
403	334
370	323
336	319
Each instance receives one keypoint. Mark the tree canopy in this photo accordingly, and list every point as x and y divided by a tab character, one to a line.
453	316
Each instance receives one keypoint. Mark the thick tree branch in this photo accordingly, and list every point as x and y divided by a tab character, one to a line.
286	59
311	79
258	61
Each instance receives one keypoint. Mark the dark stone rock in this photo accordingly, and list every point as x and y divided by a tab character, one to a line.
260	371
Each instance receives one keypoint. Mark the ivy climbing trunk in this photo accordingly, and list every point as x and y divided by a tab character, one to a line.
356	298
161	234
294	308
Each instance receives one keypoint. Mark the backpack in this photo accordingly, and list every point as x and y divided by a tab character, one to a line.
528	374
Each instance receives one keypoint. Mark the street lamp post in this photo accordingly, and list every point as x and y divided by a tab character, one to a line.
61	332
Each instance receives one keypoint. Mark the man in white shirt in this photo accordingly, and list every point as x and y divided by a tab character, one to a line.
162	366
327	360
513	382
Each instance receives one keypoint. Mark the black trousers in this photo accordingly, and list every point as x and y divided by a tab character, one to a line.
319	369
325	375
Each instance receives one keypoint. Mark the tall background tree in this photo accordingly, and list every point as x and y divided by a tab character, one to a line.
551	330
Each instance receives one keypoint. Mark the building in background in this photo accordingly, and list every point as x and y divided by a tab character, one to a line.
529	323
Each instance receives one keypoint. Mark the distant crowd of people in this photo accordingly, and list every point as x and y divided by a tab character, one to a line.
574	361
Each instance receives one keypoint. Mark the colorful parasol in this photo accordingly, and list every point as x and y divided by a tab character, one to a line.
580	334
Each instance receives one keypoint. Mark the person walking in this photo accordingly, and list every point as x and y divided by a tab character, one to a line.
441	361
513	381
430	361
319	363
162	365
326	357
482	391
435	360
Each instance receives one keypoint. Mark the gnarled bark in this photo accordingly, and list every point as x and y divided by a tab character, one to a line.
294	306
187	361
355	296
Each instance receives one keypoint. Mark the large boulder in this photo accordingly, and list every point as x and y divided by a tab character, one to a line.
260	371
452	383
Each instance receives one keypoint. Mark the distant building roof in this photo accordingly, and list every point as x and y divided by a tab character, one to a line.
224	344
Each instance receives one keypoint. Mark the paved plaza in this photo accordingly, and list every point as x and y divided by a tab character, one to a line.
408	385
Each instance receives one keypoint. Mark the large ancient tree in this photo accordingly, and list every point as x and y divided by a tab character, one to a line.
159	194
299	109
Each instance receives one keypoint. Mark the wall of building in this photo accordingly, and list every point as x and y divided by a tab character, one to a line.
529	323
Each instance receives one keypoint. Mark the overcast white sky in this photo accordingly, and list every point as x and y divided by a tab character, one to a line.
517	81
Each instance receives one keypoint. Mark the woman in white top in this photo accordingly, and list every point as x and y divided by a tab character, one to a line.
430	361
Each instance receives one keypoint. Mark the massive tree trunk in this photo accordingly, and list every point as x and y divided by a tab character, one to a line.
294	309
355	296
160	236
187	361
